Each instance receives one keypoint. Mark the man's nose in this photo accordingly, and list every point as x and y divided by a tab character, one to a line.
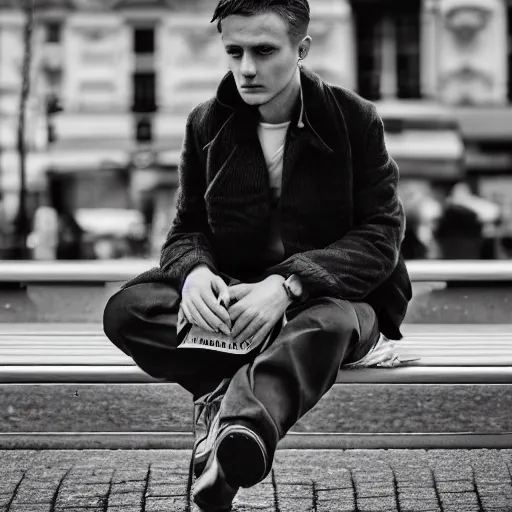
248	66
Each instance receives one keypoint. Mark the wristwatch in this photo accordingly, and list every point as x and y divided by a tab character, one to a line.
293	287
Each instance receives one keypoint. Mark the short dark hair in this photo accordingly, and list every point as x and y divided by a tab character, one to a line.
295	12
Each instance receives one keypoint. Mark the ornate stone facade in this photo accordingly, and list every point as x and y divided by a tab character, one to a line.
96	61
84	59
90	65
465	49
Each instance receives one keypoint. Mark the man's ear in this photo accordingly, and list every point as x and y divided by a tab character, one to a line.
304	47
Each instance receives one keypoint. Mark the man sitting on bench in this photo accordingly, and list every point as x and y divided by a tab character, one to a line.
282	263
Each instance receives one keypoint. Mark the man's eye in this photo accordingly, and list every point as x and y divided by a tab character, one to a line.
234	53
265	50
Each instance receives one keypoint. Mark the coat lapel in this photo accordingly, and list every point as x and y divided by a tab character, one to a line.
293	149
238	198
235	160
236	166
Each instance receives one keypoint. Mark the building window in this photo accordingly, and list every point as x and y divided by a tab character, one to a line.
369	35
143	128
54	79
408	55
388	49
53	32
144	89
144	40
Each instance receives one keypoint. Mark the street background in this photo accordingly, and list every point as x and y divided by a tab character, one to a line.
94	95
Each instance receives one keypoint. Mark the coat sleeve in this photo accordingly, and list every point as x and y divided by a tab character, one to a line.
367	254
188	242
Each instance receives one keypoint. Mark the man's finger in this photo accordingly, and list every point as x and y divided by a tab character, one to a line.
221	289
261	334
224	299
186	311
239	291
216	314
247	325
237	309
241	323
250	330
198	318
216	323
220	306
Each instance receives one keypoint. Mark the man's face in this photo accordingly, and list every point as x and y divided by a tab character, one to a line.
262	56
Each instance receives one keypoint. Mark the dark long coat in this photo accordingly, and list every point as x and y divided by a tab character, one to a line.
342	222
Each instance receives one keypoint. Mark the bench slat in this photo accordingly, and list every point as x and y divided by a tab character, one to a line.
416	329
132	374
86	345
122	270
101	341
95	360
454	353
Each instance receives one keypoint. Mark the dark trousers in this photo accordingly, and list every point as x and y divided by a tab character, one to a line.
269	391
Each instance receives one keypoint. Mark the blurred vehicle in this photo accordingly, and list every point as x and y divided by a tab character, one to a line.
97	218
88	233
112	233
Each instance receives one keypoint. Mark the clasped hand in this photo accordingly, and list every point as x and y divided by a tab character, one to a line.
243	311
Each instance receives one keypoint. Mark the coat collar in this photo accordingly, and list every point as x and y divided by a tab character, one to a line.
312	116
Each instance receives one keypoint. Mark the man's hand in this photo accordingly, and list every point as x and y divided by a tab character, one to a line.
257	309
200	300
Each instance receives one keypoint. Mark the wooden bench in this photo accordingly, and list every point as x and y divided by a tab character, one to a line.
78	356
82	353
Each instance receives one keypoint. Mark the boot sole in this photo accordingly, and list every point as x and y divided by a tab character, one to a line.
242	456
213	493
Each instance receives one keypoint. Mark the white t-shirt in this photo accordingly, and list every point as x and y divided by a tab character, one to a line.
272	138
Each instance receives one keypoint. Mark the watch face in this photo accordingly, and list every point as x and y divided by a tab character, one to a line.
295	286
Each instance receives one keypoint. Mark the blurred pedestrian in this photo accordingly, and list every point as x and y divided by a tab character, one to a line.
488	216
282	263
412	246
70	237
459	233
466	219
5	232
422	211
44	238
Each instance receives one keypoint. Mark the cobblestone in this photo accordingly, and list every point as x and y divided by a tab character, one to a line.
302	481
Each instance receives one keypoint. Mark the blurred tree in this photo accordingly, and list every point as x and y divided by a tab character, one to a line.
21	221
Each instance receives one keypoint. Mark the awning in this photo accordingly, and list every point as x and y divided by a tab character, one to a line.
97	154
485	123
424	139
433	154
89	154
488	162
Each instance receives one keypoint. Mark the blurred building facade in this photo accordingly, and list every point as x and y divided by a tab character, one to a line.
113	81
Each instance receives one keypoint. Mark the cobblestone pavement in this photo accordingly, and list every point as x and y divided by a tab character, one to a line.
302	480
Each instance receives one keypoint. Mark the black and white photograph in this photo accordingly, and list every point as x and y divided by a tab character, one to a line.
255	255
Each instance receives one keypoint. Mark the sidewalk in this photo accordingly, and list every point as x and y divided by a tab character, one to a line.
302	481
